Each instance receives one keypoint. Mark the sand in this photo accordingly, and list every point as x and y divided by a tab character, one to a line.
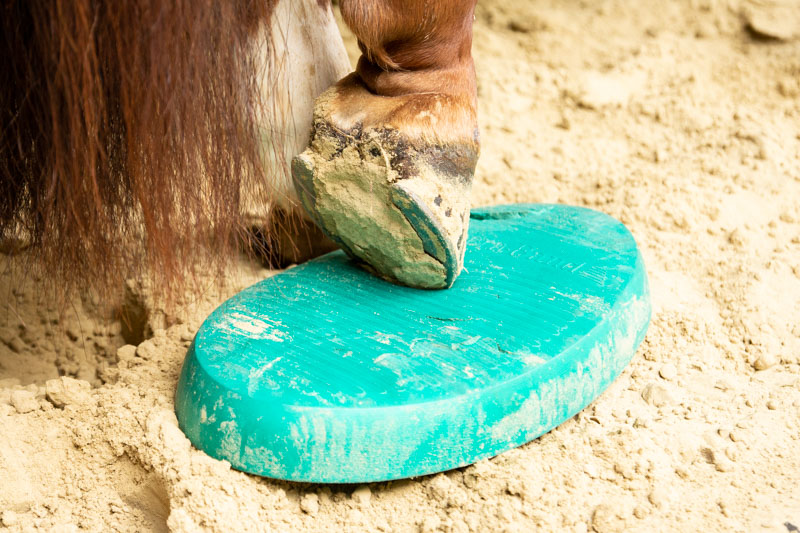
671	116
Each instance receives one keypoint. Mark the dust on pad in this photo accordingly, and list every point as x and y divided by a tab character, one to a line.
325	373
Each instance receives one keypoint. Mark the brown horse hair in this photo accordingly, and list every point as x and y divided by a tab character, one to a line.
126	130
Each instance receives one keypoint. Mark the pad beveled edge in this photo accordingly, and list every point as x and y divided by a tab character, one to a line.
325	373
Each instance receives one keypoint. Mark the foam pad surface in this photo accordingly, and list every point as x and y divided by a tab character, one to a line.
326	373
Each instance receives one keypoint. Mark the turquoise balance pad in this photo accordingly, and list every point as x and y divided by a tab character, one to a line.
325	373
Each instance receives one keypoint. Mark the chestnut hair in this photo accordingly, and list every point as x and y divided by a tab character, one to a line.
126	130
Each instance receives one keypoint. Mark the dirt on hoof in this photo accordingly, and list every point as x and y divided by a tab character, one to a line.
399	206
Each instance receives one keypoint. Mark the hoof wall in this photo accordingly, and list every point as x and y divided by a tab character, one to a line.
388	205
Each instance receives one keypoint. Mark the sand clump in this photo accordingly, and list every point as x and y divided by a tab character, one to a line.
67	391
700	159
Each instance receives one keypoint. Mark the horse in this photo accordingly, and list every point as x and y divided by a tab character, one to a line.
137	133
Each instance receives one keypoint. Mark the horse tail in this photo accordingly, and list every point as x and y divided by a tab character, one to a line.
126	128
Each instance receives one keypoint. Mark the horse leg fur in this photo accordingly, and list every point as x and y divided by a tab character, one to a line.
299	55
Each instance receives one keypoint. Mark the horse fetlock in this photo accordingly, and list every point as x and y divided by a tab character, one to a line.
284	237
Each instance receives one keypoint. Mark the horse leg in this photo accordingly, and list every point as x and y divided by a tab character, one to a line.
395	144
299	55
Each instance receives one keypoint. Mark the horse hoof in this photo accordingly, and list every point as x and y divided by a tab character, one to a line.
285	238
396	202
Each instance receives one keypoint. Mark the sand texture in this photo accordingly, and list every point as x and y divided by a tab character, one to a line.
681	119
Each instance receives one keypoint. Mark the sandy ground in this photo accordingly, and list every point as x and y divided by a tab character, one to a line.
670	116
